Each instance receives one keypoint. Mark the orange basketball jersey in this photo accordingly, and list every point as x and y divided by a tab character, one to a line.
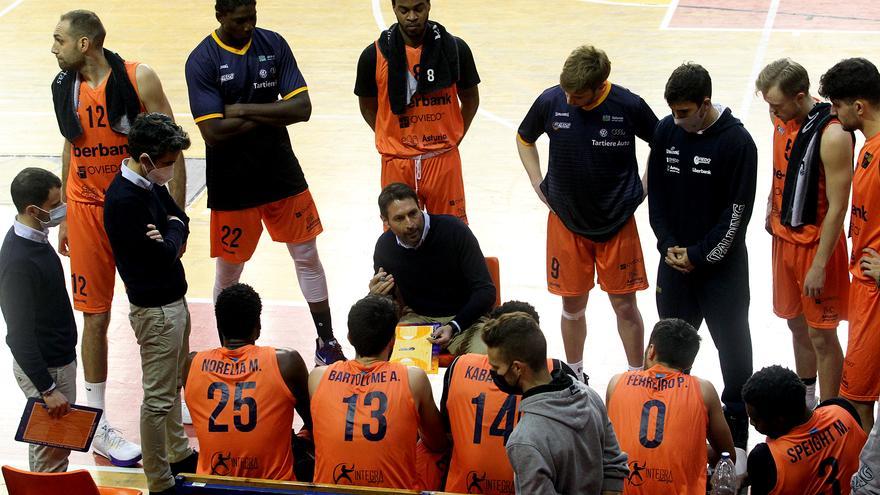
660	420
819	456
481	418
432	122
784	134
242	412
365	426
864	227
95	156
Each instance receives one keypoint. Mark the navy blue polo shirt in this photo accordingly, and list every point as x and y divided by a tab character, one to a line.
259	166
592	180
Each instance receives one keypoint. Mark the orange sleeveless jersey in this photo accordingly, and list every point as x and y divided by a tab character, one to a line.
95	156
481	418
432	122
784	134
242	412
819	456
660	420
365	426
864	226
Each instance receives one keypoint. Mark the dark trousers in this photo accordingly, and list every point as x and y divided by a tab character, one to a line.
720	294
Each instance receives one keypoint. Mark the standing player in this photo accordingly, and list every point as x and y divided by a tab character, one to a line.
409	85
368	413
592	188
806	452
480	417
97	96
235	77
805	217
663	416
853	86
701	179
266	383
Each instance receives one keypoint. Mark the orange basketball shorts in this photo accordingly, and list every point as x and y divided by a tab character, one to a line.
861	375
436	179
573	261
92	266
791	262
235	233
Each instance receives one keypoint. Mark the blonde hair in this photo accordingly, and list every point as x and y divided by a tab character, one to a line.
790	76
587	67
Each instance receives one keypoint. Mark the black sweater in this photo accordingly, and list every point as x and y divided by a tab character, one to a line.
446	275
41	331
701	188
151	270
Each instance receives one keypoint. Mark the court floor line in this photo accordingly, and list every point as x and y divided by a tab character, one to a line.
784	30
758	63
670	11
628	4
380	22
10	7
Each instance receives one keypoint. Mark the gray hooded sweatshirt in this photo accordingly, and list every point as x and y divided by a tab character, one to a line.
564	442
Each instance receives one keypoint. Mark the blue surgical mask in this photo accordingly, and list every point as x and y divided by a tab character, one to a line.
56	216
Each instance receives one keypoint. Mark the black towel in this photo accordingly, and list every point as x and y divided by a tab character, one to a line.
800	194
438	65
123	104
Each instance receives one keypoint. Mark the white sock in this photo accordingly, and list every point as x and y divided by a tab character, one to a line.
811	396
95	397
578	368
634	368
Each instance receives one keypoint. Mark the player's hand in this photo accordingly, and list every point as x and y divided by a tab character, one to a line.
63	246
56	404
537	187
382	283
870	264
814	281
677	259
442	336
153	234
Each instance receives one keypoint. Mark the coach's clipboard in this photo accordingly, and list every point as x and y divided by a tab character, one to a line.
412	347
74	431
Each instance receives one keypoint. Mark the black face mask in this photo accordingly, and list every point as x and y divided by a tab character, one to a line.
503	386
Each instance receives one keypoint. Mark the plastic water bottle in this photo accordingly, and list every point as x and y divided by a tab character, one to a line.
724	479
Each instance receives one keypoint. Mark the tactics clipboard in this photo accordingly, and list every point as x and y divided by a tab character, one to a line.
412	347
74	431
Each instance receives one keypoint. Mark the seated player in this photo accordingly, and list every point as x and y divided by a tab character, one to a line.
806	452
663	416
368	412
242	396
434	266
480	418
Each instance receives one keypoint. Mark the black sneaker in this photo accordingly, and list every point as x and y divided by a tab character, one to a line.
187	465
739	428
328	353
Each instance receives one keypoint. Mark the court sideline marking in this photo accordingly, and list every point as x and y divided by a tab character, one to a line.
628	4
758	64
11	6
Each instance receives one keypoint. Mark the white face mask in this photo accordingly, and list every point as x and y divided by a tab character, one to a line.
692	123
159	176
56	216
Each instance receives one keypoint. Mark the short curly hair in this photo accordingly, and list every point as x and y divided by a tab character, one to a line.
238	310
851	79
689	82
513	307
775	391
156	134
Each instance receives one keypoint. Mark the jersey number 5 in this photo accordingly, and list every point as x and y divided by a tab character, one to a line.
240	403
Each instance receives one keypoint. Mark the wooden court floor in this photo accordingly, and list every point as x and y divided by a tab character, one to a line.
519	47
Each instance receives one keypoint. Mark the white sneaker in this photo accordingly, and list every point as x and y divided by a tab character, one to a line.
812	402
110	443
185	416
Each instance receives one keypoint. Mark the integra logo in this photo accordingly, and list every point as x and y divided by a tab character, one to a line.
346	474
482	484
